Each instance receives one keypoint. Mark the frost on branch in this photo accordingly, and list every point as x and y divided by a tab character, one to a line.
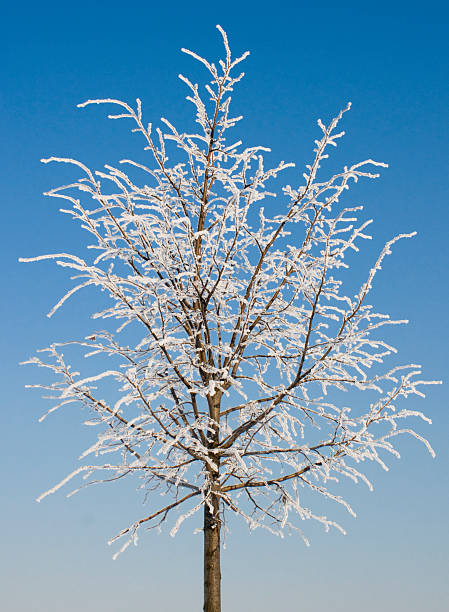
228	336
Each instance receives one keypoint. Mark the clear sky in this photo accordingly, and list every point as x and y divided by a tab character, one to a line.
391	60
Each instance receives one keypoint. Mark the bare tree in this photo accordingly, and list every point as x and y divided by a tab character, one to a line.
230	336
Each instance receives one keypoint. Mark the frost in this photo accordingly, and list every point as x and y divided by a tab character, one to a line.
229	336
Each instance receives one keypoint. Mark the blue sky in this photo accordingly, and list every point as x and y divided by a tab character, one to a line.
391	61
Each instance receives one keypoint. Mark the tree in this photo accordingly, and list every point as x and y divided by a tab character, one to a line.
235	336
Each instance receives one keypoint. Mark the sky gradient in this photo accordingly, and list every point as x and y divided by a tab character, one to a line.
391	62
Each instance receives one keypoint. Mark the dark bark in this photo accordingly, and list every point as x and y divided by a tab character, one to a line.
212	572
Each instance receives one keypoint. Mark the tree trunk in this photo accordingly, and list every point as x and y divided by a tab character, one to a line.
212	572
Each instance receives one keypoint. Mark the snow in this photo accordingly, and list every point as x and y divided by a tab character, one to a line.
225	310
